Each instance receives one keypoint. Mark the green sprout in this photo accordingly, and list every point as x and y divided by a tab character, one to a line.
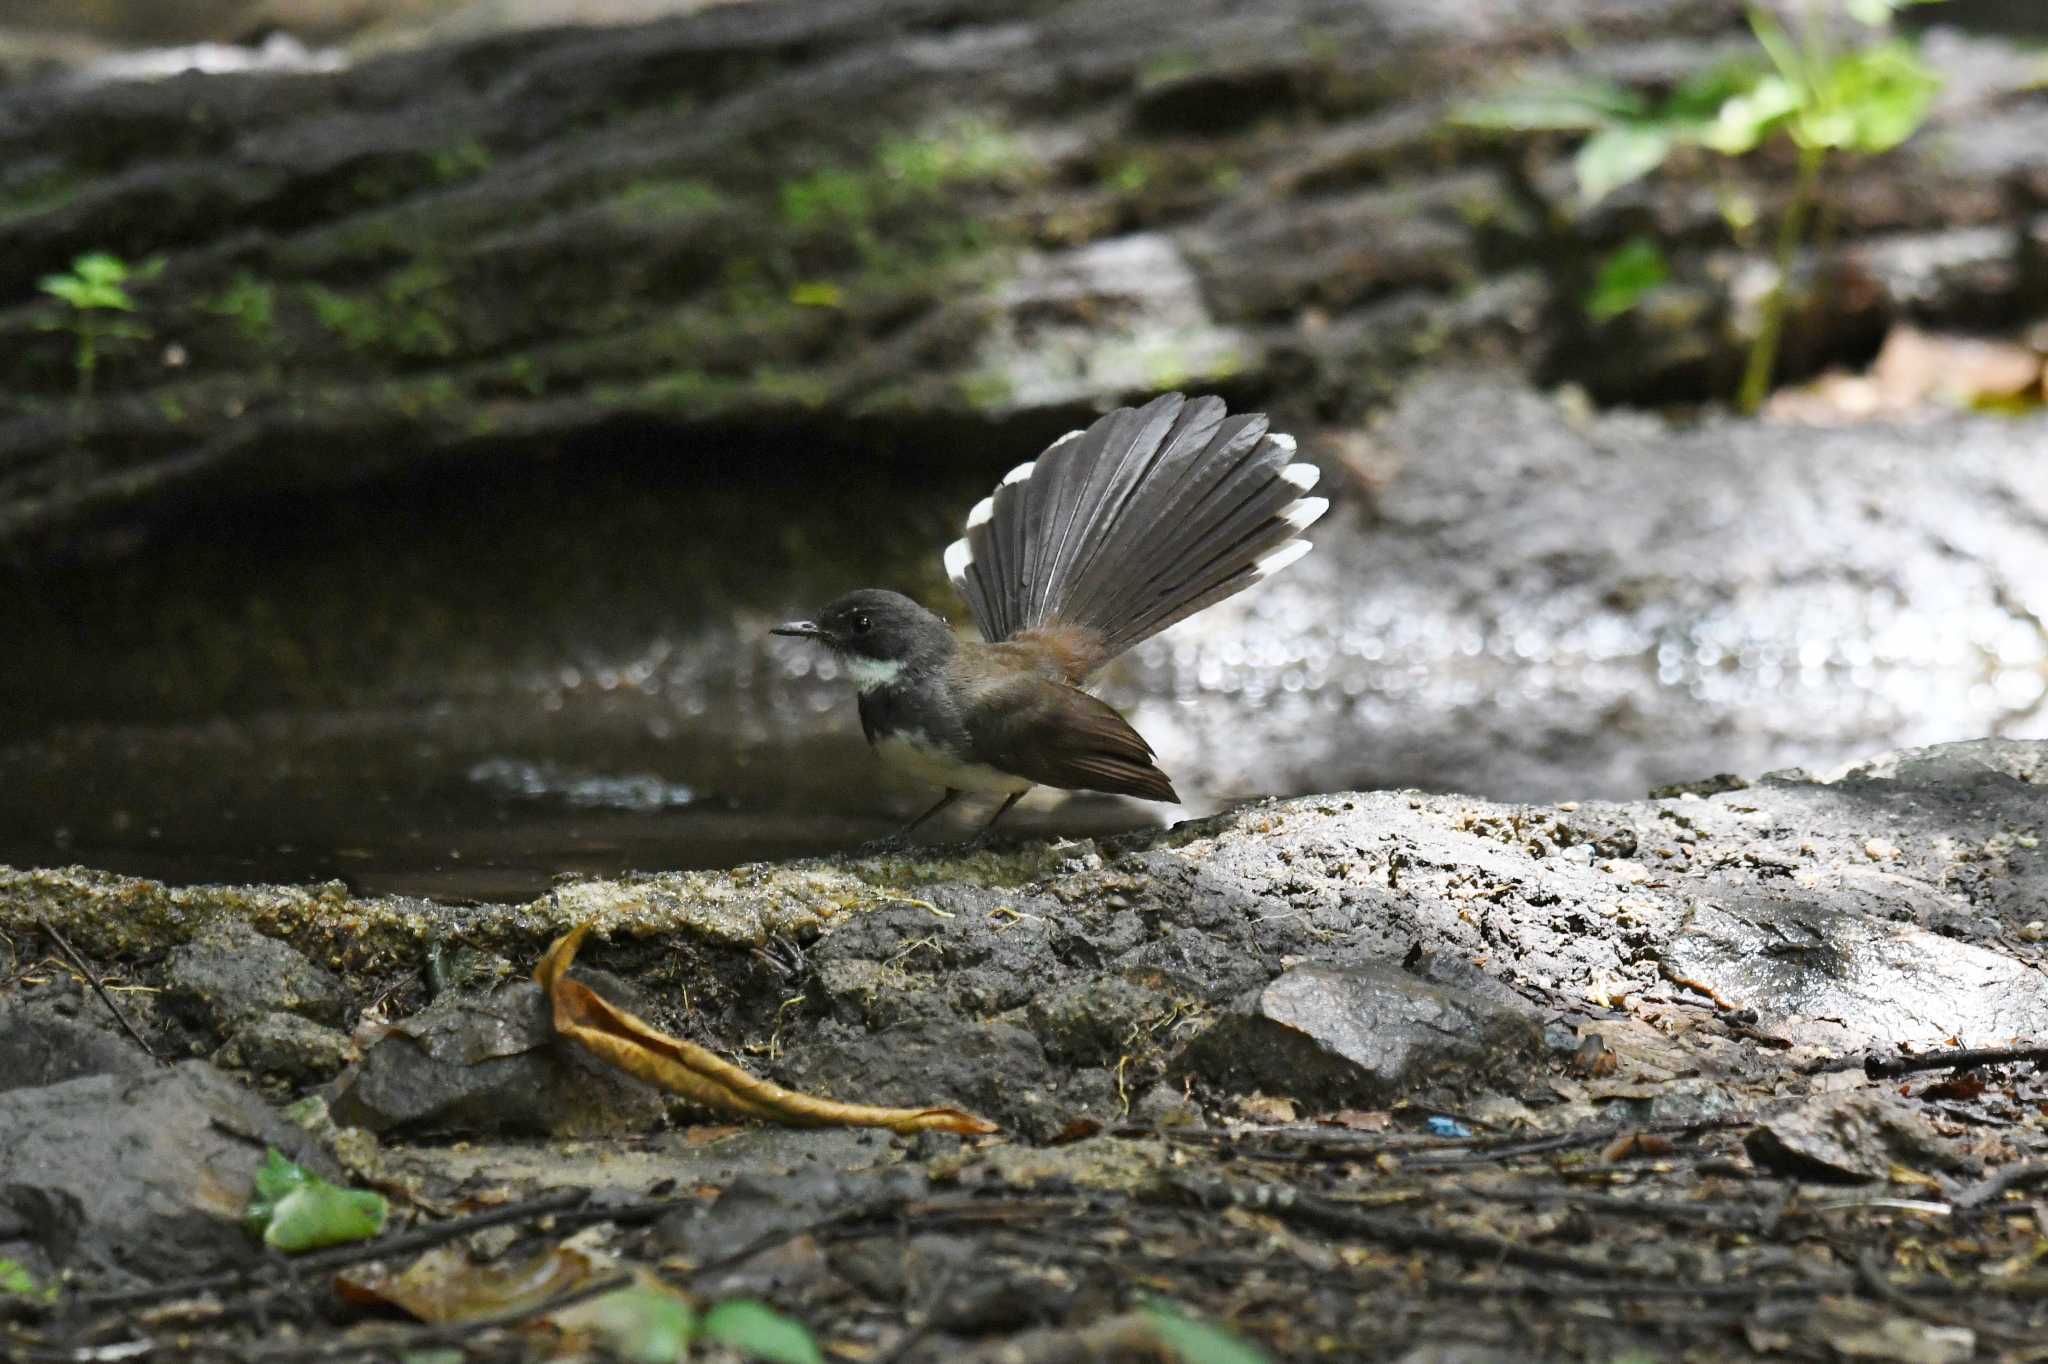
97	290
1860	100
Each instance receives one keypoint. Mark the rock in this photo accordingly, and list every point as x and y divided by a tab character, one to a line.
145	1176
755	1206
1099	1020
1362	1035
39	1046
231	972
490	1065
1853	1136
287	1046
1131	253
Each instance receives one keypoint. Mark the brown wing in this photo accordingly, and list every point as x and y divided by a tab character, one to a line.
1058	735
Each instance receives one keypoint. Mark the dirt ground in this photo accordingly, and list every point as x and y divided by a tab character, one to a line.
1376	1076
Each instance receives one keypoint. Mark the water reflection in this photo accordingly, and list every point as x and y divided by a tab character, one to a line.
570	684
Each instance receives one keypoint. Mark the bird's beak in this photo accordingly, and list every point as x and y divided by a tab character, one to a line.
802	629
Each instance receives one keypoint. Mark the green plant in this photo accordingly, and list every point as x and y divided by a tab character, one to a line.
1862	99
650	1323
250	303
17	1282
1196	1342
96	288
1628	274
295	1210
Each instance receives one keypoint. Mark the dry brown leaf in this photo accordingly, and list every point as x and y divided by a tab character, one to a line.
680	1067
445	1285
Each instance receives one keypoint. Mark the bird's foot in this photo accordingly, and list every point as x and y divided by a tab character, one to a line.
883	846
783	956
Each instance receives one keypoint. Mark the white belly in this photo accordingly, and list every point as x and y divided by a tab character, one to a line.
906	754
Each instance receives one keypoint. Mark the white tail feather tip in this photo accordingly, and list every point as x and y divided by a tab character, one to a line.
1019	474
983	510
1302	476
1283	440
958	559
1280	558
1063	440
1302	512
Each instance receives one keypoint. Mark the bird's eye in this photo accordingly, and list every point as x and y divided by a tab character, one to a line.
860	623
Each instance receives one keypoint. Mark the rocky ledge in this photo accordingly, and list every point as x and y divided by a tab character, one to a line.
1316	1001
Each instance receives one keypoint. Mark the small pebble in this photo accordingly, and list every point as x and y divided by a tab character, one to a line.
2034	931
1877	850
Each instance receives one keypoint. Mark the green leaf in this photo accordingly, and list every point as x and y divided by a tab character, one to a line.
760	1332
294	1209
1555	106
277	1178
1879	12
1868	101
1698	99
1614	157
17	1282
1625	277
1778	46
1196	1342
1746	119
644	1324
100	268
817	294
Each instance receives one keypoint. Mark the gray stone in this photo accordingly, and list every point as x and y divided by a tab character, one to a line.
39	1046
1365	1034
287	1045
1855	1136
490	1065
231	972
141	1176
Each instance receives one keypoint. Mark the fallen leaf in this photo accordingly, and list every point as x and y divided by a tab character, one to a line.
646	1322
1266	1108
1637	1146
445	1285
622	1040
1358	1120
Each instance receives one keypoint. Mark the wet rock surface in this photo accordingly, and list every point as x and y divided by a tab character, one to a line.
1553	1049
1366	1036
122	1177
897	247
490	1065
231	972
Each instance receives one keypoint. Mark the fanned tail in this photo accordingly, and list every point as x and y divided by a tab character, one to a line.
1143	519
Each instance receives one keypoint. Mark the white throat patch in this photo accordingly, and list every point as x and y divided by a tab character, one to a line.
869	674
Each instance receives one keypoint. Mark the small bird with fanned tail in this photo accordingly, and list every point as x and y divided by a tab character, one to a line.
1111	535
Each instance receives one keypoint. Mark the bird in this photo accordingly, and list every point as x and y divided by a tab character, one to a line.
1109	536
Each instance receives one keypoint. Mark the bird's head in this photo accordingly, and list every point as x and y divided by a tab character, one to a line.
878	633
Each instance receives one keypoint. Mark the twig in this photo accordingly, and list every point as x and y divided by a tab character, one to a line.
421	1238
2014	1176
1295	1205
1960	1058
78	963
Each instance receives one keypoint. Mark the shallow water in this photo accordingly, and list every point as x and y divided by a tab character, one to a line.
461	692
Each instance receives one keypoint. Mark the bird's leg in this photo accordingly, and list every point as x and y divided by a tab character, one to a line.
1003	809
988	830
895	842
945	800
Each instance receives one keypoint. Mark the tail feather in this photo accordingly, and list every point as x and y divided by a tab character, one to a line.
1137	522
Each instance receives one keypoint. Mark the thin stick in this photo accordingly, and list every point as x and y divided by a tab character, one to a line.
1891	1067
78	964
